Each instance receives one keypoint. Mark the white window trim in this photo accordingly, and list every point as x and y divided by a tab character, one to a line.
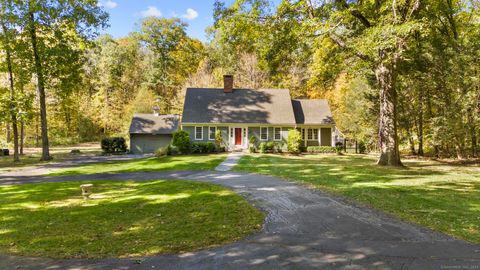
201	138
210	133
313	134
275	139
262	134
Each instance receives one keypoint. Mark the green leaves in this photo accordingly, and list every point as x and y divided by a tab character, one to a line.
174	56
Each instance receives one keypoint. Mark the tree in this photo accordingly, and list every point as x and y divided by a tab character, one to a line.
174	56
294	140
7	41
56	31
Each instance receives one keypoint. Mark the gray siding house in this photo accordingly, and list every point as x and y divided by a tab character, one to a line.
267	114
148	132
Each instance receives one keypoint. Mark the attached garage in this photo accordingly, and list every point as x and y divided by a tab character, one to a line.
148	132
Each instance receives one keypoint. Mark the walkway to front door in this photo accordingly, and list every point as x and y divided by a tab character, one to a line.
238	136
230	162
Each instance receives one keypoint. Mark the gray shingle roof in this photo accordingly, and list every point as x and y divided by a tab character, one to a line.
312	112
212	105
143	123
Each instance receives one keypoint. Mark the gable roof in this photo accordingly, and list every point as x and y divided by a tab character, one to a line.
263	106
143	123
312	112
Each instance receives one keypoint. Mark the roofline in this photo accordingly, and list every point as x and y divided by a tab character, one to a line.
258	124
263	124
136	133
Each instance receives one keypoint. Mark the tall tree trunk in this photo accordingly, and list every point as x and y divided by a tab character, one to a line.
8	59
41	87
7	132
459	149
388	138
37	117
420	123
37	136
22	136
8	135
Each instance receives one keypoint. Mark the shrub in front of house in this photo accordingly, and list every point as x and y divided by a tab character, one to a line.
321	149
113	145
219	141
162	151
181	140
338	148
266	147
294	141
210	147
252	144
202	147
278	147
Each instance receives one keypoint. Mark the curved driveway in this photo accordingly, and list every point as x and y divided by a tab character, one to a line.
304	229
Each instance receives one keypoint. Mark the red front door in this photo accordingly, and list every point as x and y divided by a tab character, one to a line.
238	136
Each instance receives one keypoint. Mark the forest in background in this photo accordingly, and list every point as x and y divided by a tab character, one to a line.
400	75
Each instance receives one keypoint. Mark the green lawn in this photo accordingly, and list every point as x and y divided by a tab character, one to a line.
439	196
190	162
121	218
59	153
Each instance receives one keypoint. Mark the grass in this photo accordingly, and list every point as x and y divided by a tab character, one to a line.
436	195
190	162
121	218
32	155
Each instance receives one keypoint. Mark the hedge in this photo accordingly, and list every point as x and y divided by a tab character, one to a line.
202	147
321	149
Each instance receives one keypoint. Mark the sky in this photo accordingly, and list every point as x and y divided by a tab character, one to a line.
126	14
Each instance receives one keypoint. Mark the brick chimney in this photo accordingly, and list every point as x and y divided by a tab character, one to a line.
227	83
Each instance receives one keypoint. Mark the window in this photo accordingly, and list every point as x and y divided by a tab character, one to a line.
263	133
303	134
315	134
277	134
312	134
198	133
211	133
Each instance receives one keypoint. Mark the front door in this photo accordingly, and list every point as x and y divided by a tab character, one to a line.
238	136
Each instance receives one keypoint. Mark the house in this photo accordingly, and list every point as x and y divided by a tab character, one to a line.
148	132
267	114
239	114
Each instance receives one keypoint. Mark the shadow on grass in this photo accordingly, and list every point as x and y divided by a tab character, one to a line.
121	219
189	162
439	197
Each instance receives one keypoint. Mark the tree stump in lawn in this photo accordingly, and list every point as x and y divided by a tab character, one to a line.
86	190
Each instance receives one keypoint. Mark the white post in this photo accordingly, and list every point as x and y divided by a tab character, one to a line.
333	136
319	136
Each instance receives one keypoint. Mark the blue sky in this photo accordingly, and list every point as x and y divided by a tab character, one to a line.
125	14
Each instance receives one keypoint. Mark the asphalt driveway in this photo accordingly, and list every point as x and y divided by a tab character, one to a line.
304	229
